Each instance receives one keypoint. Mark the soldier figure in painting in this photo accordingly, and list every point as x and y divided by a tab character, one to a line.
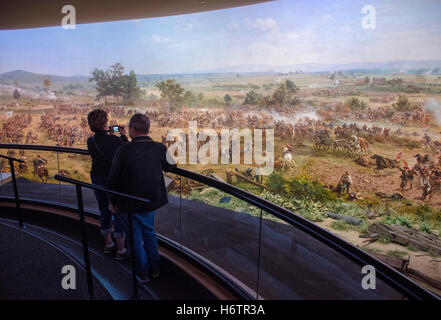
427	140
40	169
407	175
344	185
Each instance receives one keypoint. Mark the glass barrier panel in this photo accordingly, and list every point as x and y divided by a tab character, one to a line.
35	177
4	172
5	177
222	229
67	193
75	166
294	265
168	218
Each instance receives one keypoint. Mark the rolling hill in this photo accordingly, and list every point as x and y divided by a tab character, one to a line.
409	66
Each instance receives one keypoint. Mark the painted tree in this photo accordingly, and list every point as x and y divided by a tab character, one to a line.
102	79
46	84
228	100
115	83
366	80
356	105
172	92
117	80
403	104
285	91
131	92
291	87
16	94
252	98
190	99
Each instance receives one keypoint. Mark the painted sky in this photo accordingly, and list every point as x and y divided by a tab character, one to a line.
282	32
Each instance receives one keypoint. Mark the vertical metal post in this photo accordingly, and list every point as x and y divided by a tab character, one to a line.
85	244
59	181
132	252
1	180
17	201
258	255
180	211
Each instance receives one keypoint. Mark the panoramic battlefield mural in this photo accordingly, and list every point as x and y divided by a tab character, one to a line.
331	111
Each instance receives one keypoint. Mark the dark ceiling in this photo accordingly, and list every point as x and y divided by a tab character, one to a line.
21	14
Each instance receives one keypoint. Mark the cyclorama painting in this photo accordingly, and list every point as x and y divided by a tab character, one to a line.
353	97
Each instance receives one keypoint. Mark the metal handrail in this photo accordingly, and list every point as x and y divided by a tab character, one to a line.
386	273
14	184
43	148
11	158
78	185
99	188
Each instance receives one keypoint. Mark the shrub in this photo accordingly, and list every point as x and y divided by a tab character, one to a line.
397	253
399	220
425	228
340	225
384	240
405	142
403	104
369	249
299	187
356	105
253	98
388	220
304	188
308	209
424	211
275	182
403	221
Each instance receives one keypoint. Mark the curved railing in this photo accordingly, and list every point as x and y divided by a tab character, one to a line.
261	250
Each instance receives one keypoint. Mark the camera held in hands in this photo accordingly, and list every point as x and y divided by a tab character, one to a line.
115	128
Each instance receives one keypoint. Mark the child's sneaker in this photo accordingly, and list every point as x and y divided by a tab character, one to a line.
109	249
122	255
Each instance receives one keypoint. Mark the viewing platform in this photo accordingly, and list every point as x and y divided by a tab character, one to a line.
290	265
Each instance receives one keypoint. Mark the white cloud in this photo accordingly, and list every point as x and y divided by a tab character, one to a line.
292	35
325	18
233	26
418	44
162	40
346	28
265	25
189	27
169	43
